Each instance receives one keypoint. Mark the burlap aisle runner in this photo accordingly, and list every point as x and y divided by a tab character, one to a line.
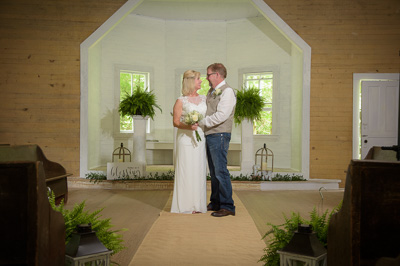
200	239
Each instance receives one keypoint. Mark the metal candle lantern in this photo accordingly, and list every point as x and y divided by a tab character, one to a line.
261	168
303	249
85	248
121	152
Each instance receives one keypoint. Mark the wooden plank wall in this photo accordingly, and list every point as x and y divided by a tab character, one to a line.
40	72
40	69
346	37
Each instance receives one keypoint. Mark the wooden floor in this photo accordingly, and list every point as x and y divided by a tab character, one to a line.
271	206
136	211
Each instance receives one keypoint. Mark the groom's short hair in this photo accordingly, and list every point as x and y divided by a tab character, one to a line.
218	67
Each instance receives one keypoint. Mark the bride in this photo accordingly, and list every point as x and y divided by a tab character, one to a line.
190	162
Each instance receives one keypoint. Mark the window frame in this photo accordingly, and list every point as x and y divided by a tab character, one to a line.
118	69
146	87
274	70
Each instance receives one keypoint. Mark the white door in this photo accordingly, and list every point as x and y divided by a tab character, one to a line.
379	114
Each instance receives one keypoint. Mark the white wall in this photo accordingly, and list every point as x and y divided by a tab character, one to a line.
251	50
94	145
296	108
170	47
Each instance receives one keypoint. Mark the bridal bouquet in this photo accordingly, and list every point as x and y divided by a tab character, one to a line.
193	118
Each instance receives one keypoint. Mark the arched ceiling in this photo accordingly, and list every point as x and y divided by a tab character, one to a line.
197	9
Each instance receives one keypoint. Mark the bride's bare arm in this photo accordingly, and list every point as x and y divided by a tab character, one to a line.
177	117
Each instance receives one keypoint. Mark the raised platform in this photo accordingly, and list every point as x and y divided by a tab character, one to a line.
312	184
160	168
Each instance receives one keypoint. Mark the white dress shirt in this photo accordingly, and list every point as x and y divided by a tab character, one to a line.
224	108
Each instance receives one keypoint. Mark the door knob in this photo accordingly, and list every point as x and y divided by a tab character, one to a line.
365	141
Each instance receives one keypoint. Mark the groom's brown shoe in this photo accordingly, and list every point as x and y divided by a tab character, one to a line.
222	213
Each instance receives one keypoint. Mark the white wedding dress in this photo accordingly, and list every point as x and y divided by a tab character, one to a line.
190	187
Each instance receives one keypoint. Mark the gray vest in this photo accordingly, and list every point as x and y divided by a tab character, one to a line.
212	103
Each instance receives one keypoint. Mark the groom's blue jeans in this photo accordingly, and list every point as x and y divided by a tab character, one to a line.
221	186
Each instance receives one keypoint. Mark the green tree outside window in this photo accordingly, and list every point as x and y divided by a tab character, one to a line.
129	81
205	86
264	82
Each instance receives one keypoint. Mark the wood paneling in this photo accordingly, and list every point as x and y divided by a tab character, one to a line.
40	69
40	72
346	37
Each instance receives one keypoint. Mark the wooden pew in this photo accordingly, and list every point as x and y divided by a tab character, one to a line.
376	153
32	232
367	227
54	173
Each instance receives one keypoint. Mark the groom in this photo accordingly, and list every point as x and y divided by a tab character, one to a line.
221	101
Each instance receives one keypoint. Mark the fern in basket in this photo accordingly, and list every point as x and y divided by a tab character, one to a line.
141	102
249	104
110	238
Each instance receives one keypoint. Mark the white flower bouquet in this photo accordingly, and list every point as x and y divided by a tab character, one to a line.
193	118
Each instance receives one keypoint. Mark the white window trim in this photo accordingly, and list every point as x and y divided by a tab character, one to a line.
274	69
117	90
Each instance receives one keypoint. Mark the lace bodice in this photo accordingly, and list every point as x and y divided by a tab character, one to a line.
190	104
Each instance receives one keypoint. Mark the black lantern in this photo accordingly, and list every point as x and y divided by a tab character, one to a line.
121	153
303	249
85	248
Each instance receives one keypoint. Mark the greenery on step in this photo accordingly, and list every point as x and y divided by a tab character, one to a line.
163	176
96	177
287	177
280	235
277	177
103	228
100	176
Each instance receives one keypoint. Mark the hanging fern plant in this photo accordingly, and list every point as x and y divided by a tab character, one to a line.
249	104
141	102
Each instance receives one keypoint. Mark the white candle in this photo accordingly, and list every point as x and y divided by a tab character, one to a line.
263	166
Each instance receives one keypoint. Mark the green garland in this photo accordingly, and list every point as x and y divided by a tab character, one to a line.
97	177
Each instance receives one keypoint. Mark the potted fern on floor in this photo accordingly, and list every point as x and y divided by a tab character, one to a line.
249	105
140	105
112	239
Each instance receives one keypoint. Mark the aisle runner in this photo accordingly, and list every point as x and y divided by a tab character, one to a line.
200	239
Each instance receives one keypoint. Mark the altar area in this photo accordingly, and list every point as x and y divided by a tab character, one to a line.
310	184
